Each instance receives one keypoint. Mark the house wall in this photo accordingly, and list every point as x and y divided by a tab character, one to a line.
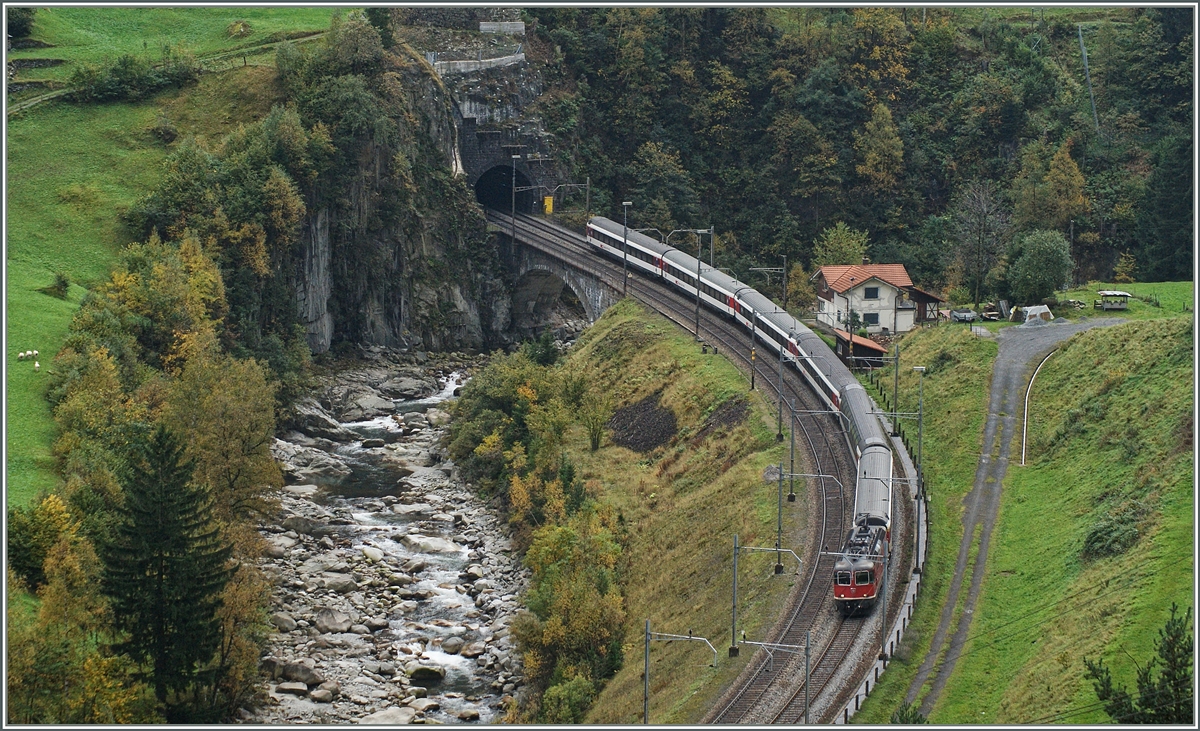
834	310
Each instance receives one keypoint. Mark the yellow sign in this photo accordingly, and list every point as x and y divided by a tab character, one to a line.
548	204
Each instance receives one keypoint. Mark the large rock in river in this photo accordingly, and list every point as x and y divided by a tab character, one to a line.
429	544
308	465
390	716
311	419
328	621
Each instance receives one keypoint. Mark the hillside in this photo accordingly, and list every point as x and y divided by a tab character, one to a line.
1095	535
73	171
681	449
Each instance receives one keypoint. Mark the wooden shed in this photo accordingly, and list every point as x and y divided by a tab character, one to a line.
859	352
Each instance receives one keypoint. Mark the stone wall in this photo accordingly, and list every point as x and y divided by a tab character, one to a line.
456	17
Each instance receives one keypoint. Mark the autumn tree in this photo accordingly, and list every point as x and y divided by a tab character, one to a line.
1047	195
839	244
880	151
223	409
166	568
982	227
596	411
662	182
805	159
800	290
1126	268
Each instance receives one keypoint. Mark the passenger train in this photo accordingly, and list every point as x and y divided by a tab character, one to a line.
858	570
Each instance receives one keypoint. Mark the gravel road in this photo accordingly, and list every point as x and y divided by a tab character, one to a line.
1020	349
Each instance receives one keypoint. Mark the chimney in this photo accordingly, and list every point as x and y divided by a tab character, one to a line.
866	260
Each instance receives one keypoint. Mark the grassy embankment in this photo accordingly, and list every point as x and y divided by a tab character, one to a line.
72	171
683	503
1044	605
82	35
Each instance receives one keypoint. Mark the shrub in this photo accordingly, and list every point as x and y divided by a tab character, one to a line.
20	21
131	77
59	287
1112	534
566	703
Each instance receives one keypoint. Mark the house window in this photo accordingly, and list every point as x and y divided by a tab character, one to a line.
871	318
871	293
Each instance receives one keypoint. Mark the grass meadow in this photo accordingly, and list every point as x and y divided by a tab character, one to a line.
1109	434
73	170
90	35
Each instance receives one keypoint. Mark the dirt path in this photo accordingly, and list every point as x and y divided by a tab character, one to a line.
1020	348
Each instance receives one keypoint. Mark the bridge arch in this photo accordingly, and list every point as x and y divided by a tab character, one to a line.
538	292
494	189
541	280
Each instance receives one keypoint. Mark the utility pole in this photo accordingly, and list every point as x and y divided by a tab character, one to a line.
883	630
587	199
807	676
625	269
646	678
699	255
792	453
920	469
896	395
779	520
753	333
733	647
514	198
779	418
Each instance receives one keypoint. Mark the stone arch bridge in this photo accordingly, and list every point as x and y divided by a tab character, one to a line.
539	273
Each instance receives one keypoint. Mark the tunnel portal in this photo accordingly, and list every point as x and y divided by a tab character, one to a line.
494	189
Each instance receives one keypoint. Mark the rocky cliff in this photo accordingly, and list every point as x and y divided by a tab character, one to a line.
394	251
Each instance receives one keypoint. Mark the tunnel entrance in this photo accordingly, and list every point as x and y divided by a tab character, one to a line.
494	189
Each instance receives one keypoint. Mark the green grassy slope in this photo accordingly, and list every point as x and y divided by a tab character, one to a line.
1043	606
93	34
1110	433
683	503
72	171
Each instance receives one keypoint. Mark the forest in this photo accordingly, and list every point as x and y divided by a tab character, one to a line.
918	129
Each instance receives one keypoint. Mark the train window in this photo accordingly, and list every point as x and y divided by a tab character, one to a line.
843	578
862	578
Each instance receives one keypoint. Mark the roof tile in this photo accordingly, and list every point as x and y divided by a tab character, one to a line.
841	277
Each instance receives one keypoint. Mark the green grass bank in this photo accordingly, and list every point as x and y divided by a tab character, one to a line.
1110	453
73	170
683	502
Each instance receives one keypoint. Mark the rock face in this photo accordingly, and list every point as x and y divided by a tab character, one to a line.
409	273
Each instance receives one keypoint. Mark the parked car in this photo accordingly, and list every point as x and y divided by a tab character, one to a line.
963	315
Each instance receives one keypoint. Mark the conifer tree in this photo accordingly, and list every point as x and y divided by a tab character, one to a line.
166	567
1166	699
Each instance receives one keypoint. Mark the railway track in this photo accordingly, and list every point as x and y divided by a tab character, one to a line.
768	690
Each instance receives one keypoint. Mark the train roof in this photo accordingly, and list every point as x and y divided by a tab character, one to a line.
874	494
636	237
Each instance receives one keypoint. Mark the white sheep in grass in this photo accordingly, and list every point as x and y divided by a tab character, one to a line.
21	355
35	353
36	366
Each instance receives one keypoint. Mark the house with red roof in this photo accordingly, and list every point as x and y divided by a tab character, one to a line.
881	295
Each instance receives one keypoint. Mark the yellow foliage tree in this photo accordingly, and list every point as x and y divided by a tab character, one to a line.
880	150
224	409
